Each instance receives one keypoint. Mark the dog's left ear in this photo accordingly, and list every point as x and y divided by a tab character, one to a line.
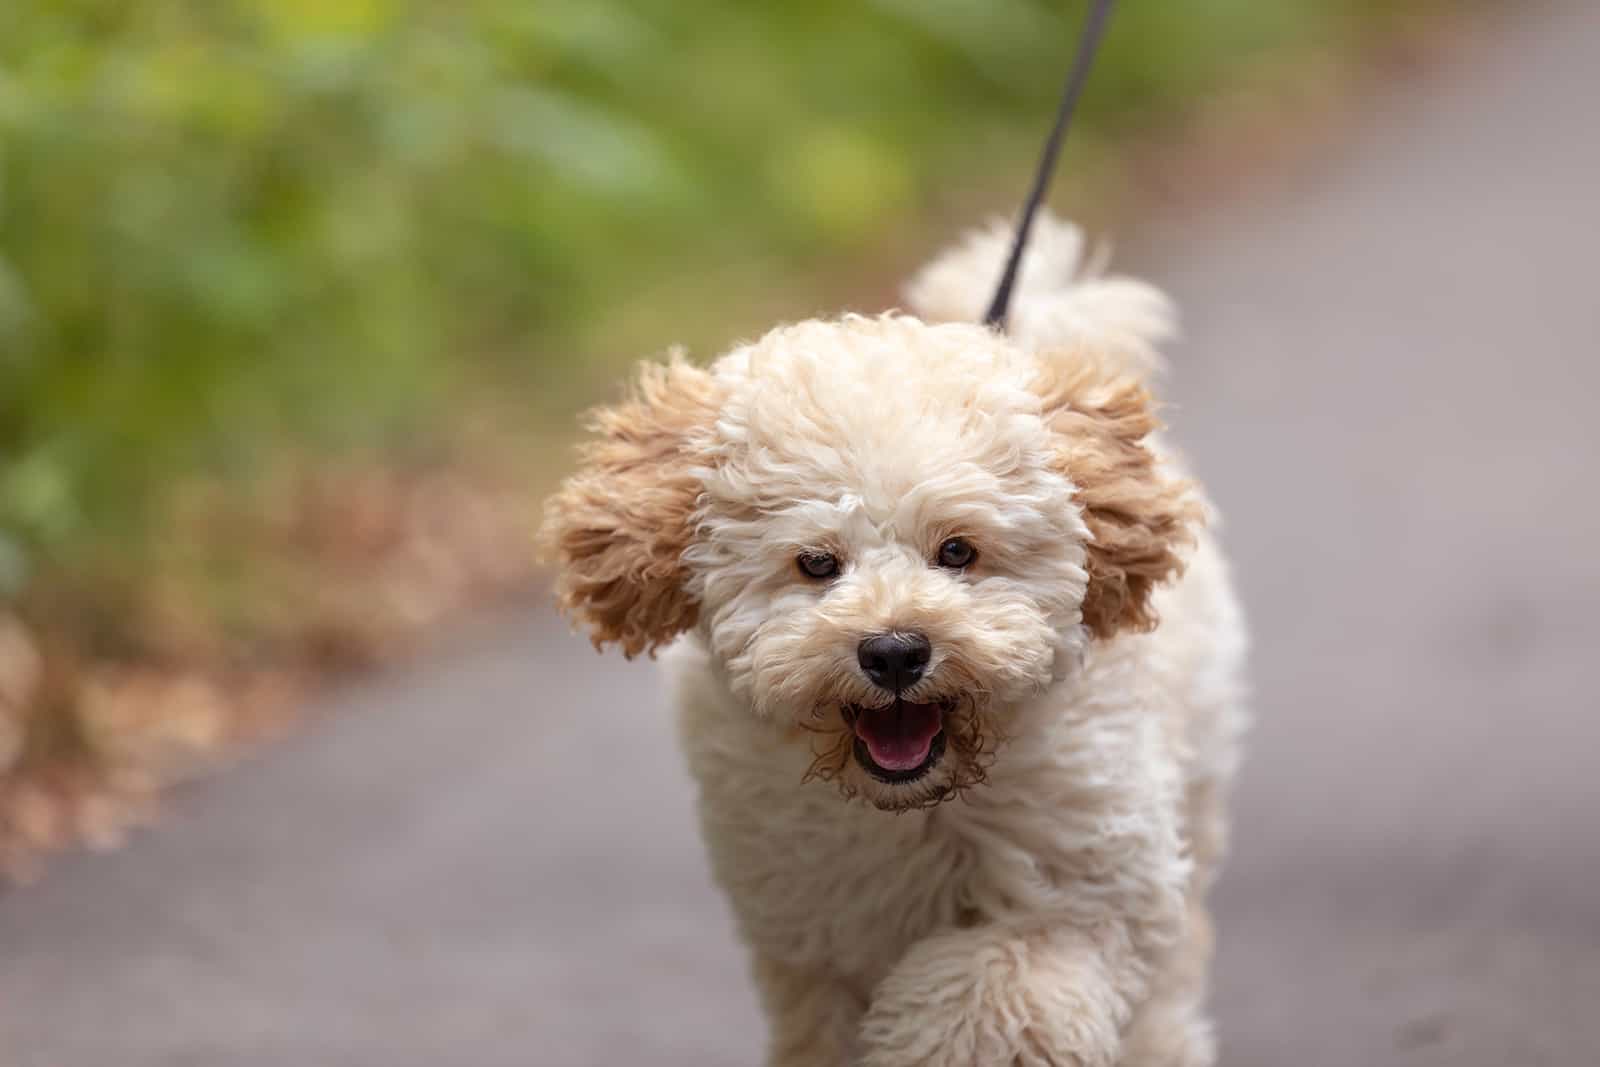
619	526
1140	518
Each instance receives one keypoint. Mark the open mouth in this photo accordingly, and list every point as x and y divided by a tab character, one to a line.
900	742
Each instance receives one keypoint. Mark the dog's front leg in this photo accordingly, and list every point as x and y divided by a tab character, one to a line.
1030	994
811	1016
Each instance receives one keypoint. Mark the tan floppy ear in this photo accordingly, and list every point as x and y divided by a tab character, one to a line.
1139	517
619	526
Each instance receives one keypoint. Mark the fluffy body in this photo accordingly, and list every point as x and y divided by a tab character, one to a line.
1037	895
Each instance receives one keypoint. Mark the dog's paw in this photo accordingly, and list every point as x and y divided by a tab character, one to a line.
954	1002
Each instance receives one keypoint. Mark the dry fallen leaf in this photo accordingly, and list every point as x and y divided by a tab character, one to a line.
20	669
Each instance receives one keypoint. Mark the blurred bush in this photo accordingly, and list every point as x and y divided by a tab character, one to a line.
268	267
226	223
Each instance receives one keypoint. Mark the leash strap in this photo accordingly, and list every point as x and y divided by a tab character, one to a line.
1088	43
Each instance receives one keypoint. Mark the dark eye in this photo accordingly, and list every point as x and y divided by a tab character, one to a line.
818	564
957	554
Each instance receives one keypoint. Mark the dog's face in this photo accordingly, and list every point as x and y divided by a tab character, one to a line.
887	533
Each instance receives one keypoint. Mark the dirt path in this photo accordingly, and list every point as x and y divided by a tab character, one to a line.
1390	382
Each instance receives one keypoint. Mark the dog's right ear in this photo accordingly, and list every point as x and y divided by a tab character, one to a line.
619	526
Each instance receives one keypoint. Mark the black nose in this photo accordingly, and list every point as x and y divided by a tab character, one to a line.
894	661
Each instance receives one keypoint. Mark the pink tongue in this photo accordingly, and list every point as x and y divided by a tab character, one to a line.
898	738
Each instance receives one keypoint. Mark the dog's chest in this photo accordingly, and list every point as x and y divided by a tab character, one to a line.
816	882
821	884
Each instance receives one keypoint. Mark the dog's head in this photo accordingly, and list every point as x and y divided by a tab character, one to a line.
887	533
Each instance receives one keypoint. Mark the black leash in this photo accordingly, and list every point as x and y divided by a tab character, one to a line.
1093	28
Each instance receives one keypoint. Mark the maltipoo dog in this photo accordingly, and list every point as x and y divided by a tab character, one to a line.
957	664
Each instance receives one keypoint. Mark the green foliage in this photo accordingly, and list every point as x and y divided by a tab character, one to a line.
224	223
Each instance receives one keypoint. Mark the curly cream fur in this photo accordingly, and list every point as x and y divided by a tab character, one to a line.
1037	897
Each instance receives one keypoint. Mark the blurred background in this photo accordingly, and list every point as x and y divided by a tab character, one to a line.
299	300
